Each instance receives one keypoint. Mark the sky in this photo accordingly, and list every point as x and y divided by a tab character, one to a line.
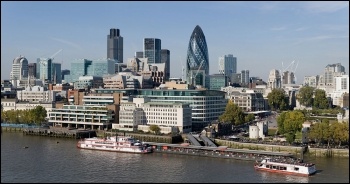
298	36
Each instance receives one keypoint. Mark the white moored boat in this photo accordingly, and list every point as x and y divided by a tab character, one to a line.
294	167
115	143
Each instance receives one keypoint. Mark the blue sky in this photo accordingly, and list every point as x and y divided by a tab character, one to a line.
262	35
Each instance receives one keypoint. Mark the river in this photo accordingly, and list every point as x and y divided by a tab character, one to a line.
58	160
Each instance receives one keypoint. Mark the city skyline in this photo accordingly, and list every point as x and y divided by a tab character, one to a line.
261	35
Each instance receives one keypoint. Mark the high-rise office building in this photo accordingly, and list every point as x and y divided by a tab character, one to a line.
79	68
245	76
139	54
56	73
331	71
84	67
44	69
165	58
197	67
19	68
228	65
115	46
64	73
151	50
32	70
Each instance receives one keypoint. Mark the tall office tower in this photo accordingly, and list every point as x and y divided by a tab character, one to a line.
56	73
32	70
44	69
197	66
115	45
165	58
139	54
245	76
228	65
274	80
19	68
331	71
151	50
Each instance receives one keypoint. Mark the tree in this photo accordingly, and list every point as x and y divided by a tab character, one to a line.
305	96
249	117
320	100
277	99
154	128
38	114
339	132
289	123
233	113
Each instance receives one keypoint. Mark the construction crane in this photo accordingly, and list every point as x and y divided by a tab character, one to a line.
52	57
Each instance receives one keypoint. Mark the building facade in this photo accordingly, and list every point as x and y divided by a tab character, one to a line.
19	68
32	70
165	58
152	50
115	45
217	81
197	61
228	65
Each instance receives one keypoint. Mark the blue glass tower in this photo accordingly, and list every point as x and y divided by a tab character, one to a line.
197	58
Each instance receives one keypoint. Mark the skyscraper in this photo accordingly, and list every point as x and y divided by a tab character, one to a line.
197	58
115	45
44	69
151	50
228	65
165	58
32	70
19	68
139	54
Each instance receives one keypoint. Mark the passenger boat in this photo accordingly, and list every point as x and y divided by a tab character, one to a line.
285	166
115	143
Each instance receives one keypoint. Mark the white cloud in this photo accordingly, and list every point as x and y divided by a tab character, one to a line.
67	42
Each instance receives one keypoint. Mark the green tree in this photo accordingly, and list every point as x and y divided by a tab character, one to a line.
316	132
305	96
277	99
320	100
326	131
249	117
339	132
233	113
155	129
290	123
38	114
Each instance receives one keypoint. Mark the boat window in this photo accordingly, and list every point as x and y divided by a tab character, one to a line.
273	167
283	168
296	168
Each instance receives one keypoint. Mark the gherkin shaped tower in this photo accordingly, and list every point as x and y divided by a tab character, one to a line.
197	67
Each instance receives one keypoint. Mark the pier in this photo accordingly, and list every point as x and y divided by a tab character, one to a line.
60	132
219	152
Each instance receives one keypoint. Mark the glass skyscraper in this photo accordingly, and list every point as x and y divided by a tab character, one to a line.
115	46
197	58
228	65
151	50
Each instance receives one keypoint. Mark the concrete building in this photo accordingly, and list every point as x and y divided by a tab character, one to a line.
36	94
258	131
89	82
19	68
341	86
14	104
274	80
32	70
141	113
247	99
311	81
127	80
331	71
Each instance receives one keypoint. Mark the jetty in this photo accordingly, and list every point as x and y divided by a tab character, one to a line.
60	132
219	152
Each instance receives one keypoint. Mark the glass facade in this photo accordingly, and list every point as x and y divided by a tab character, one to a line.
197	58
115	45
44	70
152	48
217	81
79	68
228	65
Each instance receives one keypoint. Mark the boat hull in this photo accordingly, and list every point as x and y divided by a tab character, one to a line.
282	172
136	150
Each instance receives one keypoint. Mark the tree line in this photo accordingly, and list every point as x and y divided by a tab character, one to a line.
27	116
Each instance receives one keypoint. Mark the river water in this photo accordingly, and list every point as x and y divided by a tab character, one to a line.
57	160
